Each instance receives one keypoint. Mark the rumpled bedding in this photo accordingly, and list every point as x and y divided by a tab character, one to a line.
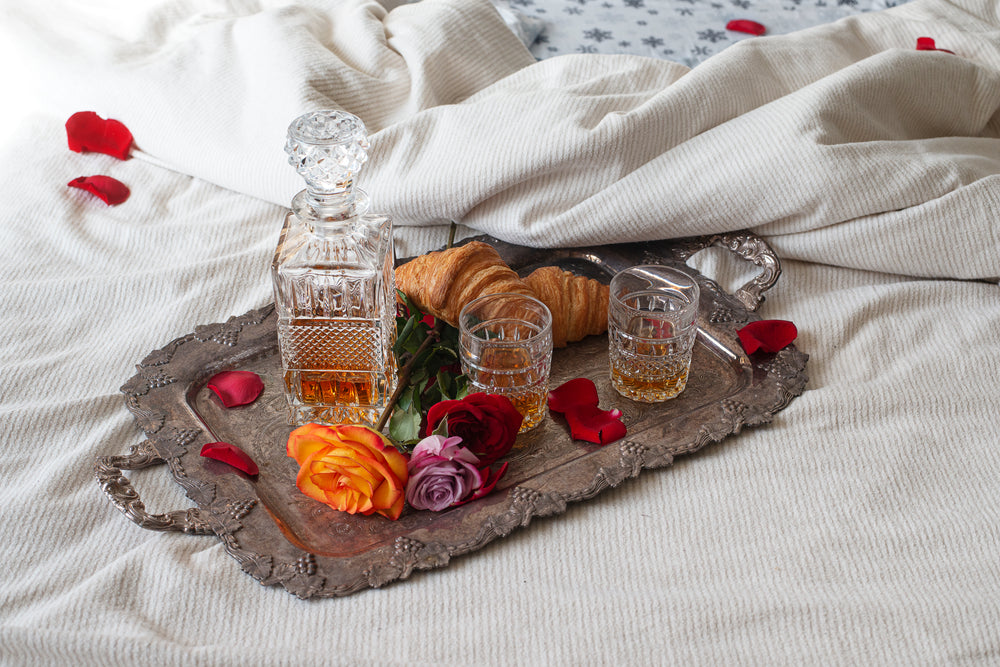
859	527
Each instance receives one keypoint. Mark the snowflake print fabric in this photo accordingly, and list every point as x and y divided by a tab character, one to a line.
683	31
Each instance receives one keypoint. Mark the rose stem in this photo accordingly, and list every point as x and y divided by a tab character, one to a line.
404	373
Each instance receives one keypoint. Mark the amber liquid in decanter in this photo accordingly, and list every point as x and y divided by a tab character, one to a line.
353	383
334	285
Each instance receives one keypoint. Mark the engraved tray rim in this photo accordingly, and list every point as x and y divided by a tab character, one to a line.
228	506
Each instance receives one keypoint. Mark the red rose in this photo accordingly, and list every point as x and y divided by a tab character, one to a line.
486	423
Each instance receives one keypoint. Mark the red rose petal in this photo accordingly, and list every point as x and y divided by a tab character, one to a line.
592	424
577	399
231	454
488	485
749	27
86	131
767	335
110	190
580	391
491	481
236	387
927	44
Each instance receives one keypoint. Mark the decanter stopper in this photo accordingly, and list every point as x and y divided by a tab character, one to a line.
328	148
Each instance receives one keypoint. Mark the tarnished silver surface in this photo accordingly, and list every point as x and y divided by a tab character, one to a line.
750	247
119	489
279	536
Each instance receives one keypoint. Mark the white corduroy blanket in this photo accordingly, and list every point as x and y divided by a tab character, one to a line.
860	527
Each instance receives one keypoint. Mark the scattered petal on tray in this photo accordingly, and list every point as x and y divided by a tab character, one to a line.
767	335
580	391
231	454
236	388
577	401
590	423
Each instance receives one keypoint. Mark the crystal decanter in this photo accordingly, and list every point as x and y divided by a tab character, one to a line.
334	286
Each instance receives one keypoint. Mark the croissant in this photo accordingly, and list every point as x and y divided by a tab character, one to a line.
442	282
579	305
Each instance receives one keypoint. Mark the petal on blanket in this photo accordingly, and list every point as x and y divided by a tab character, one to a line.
928	44
86	131
110	190
749	27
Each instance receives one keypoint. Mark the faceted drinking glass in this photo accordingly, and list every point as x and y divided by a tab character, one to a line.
652	322
506	348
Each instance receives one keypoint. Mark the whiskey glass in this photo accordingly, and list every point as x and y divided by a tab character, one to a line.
505	343
652	322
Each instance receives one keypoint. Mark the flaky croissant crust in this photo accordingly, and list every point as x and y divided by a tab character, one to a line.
579	305
441	283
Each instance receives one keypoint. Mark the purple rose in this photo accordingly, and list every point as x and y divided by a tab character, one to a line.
442	473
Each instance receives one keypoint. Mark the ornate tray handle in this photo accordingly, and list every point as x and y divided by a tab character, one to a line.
750	247
119	489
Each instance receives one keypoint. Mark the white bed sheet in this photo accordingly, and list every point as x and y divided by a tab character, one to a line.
860	527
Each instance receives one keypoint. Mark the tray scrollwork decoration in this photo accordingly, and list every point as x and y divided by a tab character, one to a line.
280	537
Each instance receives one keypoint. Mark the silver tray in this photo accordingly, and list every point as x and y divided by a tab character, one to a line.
280	536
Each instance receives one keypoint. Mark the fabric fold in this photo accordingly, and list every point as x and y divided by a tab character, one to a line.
841	129
210	93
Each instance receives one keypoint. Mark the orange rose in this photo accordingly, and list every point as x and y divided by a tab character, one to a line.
353	469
